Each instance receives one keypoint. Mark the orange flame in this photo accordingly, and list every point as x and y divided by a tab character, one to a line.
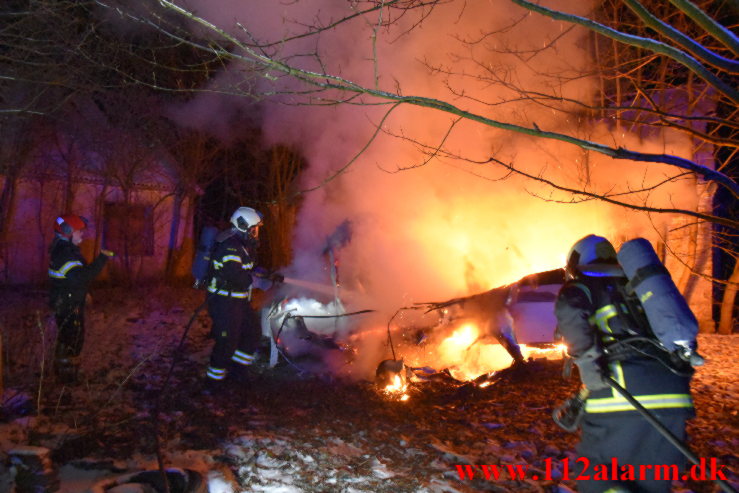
468	355
397	388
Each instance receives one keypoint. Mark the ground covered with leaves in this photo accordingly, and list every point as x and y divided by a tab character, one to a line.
282	430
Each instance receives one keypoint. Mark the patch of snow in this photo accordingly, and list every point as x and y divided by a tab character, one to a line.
380	470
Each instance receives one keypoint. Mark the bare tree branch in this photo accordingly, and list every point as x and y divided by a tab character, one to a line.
712	27
607	198
333	82
650	44
730	66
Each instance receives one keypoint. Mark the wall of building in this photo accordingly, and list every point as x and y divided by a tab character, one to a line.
40	200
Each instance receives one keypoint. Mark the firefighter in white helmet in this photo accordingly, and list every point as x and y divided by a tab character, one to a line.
608	337
236	327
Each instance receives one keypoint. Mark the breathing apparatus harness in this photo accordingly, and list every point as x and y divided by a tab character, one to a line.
209	280
638	340
636	337
642	341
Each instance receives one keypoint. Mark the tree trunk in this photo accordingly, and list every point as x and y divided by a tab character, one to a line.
689	260
726	322
7	211
169	266
99	216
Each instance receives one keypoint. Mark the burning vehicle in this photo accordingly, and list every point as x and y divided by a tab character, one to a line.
532	307
489	331
309	326
468	336
306	321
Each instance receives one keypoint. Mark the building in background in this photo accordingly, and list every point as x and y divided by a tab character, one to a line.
127	189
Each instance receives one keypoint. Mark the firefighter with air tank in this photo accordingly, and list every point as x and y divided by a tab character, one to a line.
231	270
638	332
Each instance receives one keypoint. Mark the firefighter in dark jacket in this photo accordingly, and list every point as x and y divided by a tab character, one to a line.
597	325
69	281
236	327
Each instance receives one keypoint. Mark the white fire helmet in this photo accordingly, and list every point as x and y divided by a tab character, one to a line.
589	250
246	218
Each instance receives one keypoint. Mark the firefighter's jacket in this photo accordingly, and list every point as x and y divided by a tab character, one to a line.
231	267
69	275
589	314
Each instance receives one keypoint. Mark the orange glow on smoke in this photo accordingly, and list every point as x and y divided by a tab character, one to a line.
485	245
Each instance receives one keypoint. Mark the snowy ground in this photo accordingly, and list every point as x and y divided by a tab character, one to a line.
286	432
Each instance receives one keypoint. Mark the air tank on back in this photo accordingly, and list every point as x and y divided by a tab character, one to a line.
669	315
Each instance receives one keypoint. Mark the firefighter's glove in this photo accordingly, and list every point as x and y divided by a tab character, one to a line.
591	370
277	278
261	272
108	253
569	414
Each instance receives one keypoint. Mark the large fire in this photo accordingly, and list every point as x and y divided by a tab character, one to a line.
464	354
467	354
462	348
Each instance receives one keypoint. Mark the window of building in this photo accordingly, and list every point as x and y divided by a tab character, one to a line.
129	229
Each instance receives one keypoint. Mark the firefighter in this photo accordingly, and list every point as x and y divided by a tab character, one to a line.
236	327
69	281
596	322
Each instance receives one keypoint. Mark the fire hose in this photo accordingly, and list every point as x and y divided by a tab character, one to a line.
162	391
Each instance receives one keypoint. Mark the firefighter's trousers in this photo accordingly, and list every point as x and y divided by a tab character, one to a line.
70	337
632	441
70	323
236	330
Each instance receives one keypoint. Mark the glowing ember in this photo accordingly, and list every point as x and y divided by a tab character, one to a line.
392	377
550	352
397	388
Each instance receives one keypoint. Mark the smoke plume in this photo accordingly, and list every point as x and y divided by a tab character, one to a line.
432	213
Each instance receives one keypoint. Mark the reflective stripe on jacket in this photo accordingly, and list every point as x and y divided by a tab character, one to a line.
232	294
61	273
69	275
231	266
587	314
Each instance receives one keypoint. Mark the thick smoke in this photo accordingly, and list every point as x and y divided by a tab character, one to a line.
425	225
